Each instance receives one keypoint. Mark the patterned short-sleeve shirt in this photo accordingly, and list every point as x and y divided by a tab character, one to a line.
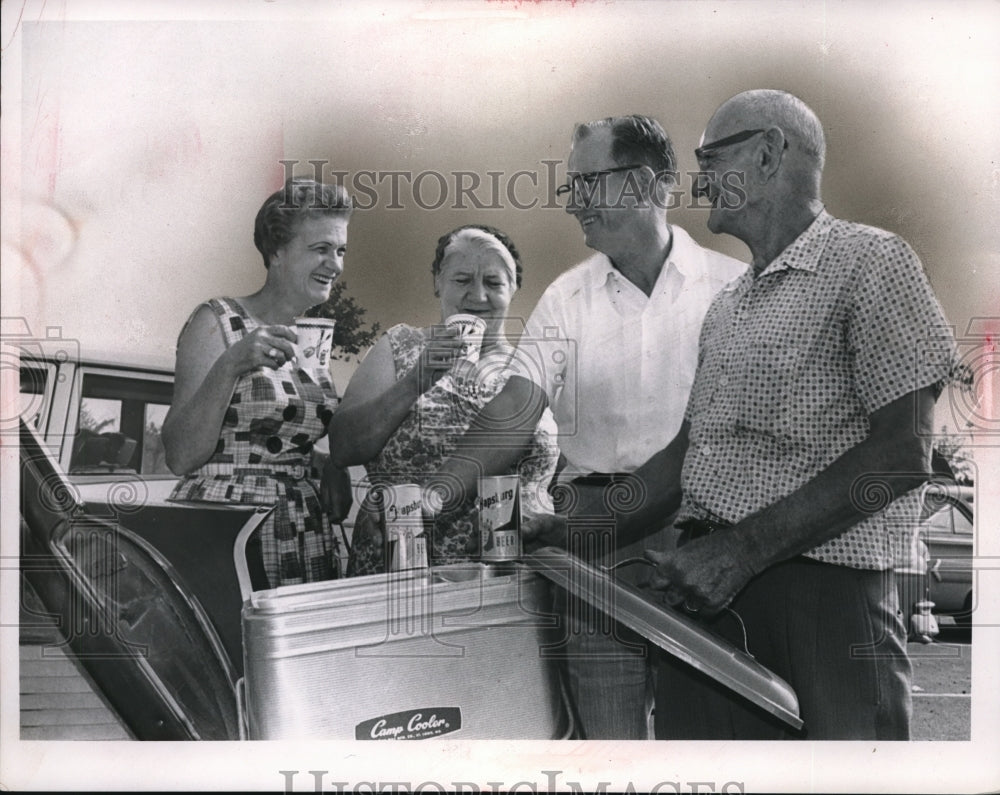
793	361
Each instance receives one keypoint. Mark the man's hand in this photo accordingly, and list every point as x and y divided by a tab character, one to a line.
704	575
545	530
335	493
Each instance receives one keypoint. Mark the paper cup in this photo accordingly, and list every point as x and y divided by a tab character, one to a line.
315	342
471	329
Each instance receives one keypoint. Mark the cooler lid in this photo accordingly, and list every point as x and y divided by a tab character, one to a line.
671	630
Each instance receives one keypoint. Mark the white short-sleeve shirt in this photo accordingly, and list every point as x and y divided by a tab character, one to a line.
618	366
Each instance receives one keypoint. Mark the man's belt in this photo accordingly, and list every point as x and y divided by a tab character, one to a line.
599	478
693	528
562	492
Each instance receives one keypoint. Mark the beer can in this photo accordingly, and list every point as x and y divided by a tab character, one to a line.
499	518
404	527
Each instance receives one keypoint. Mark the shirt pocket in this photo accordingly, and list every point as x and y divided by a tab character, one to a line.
769	372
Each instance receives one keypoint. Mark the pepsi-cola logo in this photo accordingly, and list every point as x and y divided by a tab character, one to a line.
416	724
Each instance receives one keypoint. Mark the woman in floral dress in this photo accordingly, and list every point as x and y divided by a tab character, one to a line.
401	415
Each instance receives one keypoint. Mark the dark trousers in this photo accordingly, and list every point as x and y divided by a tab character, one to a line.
833	633
607	665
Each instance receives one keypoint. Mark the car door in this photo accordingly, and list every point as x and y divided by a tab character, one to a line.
127	613
948	534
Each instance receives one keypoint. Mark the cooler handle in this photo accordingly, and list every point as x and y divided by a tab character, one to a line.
240	552
570	733
241	711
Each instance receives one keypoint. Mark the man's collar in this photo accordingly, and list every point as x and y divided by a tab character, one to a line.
602	269
804	252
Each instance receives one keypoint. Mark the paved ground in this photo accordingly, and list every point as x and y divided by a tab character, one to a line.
942	685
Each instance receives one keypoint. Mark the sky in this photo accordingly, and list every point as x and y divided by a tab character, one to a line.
139	140
147	146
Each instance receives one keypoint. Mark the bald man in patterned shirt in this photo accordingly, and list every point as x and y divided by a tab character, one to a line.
807	430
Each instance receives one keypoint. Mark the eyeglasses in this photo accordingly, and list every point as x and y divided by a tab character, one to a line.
729	140
588	179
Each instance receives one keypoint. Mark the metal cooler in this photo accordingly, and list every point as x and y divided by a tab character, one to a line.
468	651
407	655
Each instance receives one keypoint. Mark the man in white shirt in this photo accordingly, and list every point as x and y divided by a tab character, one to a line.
625	357
612	348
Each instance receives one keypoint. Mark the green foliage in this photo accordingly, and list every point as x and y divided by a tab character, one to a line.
350	337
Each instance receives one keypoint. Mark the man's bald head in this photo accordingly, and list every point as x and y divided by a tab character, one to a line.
772	146
764	107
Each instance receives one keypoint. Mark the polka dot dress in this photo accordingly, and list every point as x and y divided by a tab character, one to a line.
263	458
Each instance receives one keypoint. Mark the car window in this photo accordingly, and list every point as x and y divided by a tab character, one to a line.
960	523
100	414
119	425
941	520
154	457
948	520
34	394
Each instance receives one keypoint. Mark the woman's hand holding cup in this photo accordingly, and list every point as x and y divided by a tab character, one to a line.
451	347
471	330
438	356
265	346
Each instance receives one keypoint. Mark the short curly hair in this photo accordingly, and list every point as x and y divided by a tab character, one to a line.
445	240
280	215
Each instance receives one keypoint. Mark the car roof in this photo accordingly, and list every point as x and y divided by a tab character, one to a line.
58	351
130	361
950	489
